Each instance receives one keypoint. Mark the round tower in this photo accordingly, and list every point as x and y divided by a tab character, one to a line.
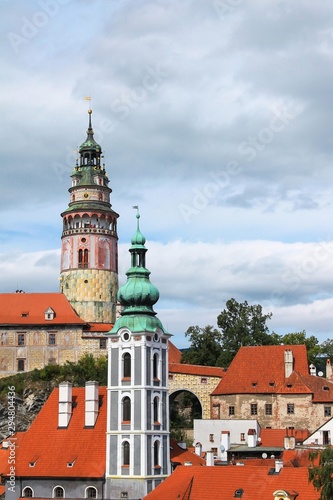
89	252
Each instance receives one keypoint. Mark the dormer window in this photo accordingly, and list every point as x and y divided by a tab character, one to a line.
25	314
49	314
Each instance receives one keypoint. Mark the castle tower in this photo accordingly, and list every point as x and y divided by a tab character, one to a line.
89	253
138	444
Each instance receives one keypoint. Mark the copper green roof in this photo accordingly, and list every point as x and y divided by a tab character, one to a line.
90	142
138	294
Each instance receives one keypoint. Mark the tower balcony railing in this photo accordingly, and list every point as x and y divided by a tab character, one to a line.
88	230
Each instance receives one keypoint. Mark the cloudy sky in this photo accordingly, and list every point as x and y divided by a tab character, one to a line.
216	119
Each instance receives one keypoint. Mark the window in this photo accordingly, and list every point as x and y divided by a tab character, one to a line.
27	492
126	453
80	259
290	408
85	258
327	411
242	436
58	492
204	380
20	365
21	339
156	453
127	365
254	409
231	410
155	366
156	405
102	343
91	492
126	409
211	438
52	339
268	409
170	376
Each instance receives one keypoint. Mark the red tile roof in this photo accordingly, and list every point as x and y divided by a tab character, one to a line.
206	483
29	309
52	448
99	327
180	456
174	353
261	369
208	371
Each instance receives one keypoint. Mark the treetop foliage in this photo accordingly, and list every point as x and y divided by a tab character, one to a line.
242	324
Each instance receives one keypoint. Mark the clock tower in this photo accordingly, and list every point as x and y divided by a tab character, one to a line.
89	252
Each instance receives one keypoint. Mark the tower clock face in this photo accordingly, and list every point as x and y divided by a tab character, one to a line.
86	195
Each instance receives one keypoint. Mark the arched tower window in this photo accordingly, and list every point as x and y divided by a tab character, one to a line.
126	453
80	258
155	366
126	409
85	258
127	365
156	453
27	492
156	409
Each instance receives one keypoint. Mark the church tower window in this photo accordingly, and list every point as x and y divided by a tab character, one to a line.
126	453
127	365
126	409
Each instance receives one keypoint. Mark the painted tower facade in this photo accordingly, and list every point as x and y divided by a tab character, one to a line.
89	252
138	443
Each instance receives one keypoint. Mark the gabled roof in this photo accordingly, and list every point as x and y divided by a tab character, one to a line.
206	483
180	456
174	353
275	437
51	448
261	369
29	309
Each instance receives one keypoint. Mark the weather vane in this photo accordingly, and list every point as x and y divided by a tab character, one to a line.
88	98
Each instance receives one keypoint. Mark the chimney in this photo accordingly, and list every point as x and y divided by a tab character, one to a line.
252	438
328	369
288	362
278	466
312	370
198	449
225	444
91	404
209	458
65	404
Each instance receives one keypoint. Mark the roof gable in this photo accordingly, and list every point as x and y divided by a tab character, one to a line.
74	451
261	369
31	309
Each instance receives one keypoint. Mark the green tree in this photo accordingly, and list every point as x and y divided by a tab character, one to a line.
205	346
242	325
320	472
297	338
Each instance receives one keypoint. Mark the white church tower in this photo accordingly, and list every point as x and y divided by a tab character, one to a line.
138	443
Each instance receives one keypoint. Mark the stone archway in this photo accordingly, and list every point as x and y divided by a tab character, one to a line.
184	406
